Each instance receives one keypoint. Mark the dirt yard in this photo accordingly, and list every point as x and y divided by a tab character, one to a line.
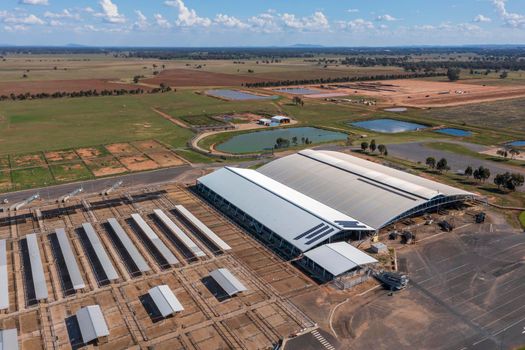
187	77
60	156
421	93
120	149
138	163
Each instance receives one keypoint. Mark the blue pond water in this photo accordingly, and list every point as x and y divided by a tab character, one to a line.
389	126
454	132
261	140
237	95
520	143
298	91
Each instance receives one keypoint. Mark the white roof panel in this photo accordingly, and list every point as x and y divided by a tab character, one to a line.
227	281
179	233
37	270
128	245
165	300
9	339
69	258
338	258
92	323
4	286
102	256
155	240
367	191
314	207
278	208
202	228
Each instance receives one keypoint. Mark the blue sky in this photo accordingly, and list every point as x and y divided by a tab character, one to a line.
261	22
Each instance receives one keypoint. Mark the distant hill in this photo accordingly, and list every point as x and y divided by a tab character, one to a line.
307	46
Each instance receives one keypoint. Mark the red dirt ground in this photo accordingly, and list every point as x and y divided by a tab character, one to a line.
187	77
51	86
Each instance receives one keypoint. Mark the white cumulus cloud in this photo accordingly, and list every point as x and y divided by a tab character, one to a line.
482	19
510	19
64	14
29	20
315	22
386	18
229	21
187	17
161	21
33	2
142	21
110	12
356	25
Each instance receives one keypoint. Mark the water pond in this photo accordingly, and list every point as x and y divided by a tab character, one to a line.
265	140
237	95
389	126
454	132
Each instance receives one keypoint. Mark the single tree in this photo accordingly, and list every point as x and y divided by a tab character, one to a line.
453	74
502	152
469	171
297	100
372	146
364	146
504	75
431	162
514	152
294	140
442	165
481	174
381	148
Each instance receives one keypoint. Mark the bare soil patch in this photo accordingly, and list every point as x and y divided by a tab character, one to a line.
60	156
52	86
148	145
187	77
105	166
165	158
27	160
121	149
138	163
88	153
423	93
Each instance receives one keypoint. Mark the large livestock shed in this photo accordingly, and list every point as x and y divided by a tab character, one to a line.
306	199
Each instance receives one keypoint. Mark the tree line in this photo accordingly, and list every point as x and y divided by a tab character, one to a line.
343	79
82	93
507	181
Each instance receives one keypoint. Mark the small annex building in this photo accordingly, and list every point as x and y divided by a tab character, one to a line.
334	260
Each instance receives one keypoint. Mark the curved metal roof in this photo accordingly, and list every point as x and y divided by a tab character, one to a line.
369	192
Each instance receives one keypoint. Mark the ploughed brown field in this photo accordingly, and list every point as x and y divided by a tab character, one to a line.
52	86
187	77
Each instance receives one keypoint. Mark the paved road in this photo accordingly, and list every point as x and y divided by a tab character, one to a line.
418	152
93	186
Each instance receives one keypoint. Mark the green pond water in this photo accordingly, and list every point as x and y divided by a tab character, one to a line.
265	140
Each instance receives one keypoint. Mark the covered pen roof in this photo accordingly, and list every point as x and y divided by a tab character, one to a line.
227	281
92	323
338	258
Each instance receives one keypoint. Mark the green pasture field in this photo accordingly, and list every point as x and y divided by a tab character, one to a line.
201	120
70	172
31	177
5	180
29	126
